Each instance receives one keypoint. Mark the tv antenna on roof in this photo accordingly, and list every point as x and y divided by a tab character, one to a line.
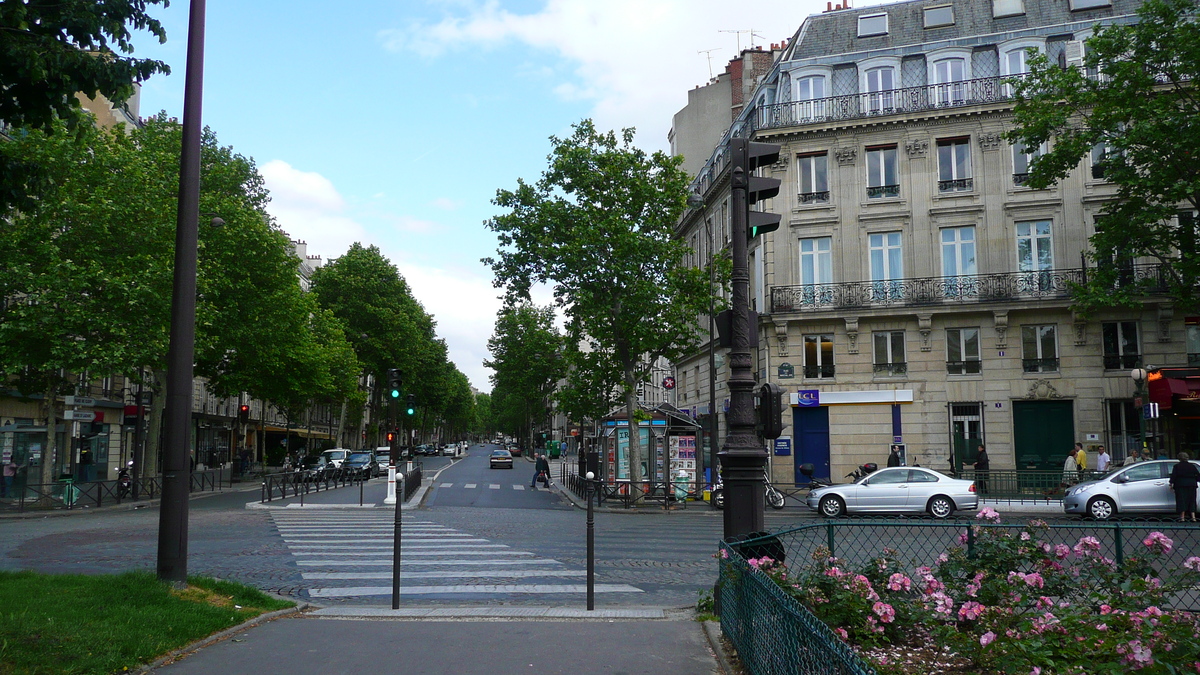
708	53
739	37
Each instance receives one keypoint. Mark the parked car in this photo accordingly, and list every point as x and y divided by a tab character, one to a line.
336	456
1137	488
362	463
515	449
383	455
897	490
501	459
315	468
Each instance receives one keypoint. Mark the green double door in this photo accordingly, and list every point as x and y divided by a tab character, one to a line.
1043	432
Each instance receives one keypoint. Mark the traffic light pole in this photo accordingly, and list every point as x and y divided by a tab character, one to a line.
393	460
742	455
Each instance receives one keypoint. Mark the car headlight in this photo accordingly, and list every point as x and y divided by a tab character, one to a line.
1081	489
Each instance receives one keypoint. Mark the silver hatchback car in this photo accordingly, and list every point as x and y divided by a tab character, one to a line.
897	490
1137	488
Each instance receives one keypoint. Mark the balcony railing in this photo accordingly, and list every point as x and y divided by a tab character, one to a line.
1040	365
895	101
968	367
891	368
819	372
1122	361
965	289
956	185
814	197
1020	179
880	191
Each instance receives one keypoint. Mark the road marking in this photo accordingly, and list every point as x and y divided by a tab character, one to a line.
406	551
387	562
470	486
447	485
494	486
445	574
475	589
518	487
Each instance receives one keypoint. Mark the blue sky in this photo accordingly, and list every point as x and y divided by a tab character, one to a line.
394	122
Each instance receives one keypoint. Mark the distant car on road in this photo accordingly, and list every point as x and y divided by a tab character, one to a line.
336	456
1138	488
515	449
501	459
897	490
362	463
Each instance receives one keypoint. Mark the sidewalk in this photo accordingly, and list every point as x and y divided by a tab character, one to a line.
127	505
320	645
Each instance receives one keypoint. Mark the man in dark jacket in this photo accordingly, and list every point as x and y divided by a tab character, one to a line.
894	457
1184	478
541	469
981	469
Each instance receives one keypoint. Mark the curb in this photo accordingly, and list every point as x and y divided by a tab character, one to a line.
127	505
174	655
712	631
494	613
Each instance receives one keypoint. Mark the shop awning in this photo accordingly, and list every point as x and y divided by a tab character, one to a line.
1165	391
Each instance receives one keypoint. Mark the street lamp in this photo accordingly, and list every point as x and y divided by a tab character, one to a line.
694	201
1139	379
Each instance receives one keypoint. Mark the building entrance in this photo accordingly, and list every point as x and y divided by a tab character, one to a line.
966	434
812	441
1043	432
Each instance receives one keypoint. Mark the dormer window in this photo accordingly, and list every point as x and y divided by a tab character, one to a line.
872	24
1089	4
935	17
1002	8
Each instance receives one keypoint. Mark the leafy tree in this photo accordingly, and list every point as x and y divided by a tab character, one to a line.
1135	95
598	226
52	49
526	357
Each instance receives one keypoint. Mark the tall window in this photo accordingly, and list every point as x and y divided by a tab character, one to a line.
887	266
1034	250
810	96
816	270
1016	61
1101	152
818	356
948	77
814	178
1039	349
882	176
881	85
1192	340
958	251
889	352
1121	345
1022	159
954	165
962	351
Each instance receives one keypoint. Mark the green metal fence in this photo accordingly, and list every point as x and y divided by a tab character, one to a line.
1024	484
772	632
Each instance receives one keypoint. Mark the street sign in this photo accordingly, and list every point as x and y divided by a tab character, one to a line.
80	400
79	415
1150	411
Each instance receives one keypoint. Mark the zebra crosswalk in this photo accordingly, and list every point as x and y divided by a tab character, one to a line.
341	552
472	486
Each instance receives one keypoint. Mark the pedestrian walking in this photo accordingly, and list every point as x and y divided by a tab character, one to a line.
1102	460
1134	457
1081	462
1070	470
541	469
85	465
894	456
1184	477
982	464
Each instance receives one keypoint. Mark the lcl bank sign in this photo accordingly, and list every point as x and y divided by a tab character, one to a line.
808	398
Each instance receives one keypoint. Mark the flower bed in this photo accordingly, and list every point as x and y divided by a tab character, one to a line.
1015	603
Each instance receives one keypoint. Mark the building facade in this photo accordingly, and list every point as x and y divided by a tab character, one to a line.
918	291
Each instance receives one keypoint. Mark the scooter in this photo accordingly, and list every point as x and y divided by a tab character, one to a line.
813	483
124	481
863	470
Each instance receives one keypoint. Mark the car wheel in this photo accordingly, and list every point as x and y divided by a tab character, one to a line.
832	506
941	507
1101	508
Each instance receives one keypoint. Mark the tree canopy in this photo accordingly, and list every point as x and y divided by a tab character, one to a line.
598	228
1133	107
526	363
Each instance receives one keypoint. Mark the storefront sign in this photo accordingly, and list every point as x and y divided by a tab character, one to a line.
783	447
808	398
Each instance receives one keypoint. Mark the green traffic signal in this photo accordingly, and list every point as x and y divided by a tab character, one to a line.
395	393
412	405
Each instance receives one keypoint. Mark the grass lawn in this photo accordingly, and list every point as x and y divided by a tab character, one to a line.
106	624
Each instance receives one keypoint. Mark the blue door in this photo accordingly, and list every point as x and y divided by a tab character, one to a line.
812	441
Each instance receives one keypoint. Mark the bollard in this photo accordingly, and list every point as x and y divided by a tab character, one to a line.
396	550
591	547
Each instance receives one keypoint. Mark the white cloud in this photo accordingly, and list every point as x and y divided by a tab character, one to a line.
444	203
635	59
309	208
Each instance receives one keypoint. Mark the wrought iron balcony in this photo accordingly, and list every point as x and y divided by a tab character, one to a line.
891	368
1020	179
1040	365
819	372
892	102
957	185
1122	361
967	289
880	191
969	367
814	197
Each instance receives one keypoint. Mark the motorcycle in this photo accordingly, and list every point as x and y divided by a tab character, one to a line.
774	498
124	481
863	470
813	483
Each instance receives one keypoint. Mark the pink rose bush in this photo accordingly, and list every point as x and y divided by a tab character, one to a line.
1014	603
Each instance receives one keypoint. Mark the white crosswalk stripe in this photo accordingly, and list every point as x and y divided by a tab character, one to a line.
334	550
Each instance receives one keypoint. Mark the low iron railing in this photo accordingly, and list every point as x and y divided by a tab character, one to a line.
70	494
963	289
293	484
629	494
1025	484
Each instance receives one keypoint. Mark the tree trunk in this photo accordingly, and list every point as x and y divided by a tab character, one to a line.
635	432
342	427
46	473
154	435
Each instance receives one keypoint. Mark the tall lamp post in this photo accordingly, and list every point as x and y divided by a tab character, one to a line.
1139	379
173	516
694	201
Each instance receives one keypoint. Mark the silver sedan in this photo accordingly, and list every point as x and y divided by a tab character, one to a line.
897	490
1138	488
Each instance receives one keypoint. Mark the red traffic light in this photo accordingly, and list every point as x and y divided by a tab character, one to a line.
244	409
391	436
